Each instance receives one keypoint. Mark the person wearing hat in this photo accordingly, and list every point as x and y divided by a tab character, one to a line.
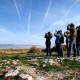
78	40
72	45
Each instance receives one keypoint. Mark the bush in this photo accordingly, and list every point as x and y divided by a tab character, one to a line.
33	49
64	48
53	49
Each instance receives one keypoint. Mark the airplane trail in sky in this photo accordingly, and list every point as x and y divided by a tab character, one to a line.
70	9
63	18
17	11
47	12
29	18
4	29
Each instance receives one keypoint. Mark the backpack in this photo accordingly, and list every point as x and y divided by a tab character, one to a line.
61	40
78	34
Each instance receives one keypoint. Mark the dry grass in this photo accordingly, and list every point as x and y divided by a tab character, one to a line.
11	51
20	51
35	50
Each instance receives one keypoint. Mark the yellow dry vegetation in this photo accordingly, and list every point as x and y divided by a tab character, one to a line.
15	51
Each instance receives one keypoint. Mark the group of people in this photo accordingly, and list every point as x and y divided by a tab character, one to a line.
72	36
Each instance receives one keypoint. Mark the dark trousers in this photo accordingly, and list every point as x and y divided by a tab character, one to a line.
48	49
78	47
67	47
59	50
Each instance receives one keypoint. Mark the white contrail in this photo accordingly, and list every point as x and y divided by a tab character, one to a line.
60	19
66	13
17	11
47	12
4	29
70	9
29	19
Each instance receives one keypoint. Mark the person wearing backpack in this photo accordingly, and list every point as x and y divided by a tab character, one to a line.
57	43
78	40
72	45
48	37
67	36
61	40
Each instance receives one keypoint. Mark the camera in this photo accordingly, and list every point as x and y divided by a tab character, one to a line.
48	35
67	32
70	26
78	27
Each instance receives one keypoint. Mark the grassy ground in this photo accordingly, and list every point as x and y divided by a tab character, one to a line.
65	66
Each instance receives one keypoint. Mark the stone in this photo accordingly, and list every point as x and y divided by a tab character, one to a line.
14	62
12	73
26	76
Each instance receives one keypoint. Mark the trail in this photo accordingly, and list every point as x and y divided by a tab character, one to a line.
29	18
17	10
63	18
48	9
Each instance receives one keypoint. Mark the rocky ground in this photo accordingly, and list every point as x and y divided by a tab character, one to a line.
39	69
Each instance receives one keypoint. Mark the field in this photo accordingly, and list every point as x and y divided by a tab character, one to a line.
34	63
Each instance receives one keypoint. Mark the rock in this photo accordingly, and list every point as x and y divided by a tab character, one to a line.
26	76
4	60
8	62
12	73
46	61
52	62
40	78
44	65
15	62
19	67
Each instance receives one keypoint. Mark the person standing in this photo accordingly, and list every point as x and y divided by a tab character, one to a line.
61	40
57	43
48	37
72	44
67	35
78	41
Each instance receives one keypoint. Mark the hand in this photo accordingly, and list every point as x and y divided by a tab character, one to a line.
55	31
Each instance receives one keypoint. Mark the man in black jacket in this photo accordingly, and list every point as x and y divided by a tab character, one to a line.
78	40
48	37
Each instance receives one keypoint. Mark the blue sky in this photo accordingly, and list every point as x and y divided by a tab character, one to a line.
27	21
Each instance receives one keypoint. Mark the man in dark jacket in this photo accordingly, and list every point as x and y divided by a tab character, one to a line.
78	40
48	37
